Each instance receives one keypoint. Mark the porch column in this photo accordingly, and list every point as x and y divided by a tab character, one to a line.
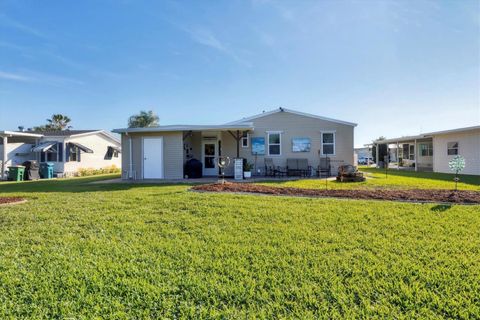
238	143
4	157
398	160
237	138
415	154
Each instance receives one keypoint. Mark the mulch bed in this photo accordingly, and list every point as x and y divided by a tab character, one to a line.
10	200
414	195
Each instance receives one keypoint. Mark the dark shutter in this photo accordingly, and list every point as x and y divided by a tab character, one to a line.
42	156
67	152
79	152
60	151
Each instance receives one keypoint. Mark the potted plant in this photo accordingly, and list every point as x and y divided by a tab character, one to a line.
247	169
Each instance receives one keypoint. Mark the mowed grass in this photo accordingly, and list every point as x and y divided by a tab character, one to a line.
120	251
376	178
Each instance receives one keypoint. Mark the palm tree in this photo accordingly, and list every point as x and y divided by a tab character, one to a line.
58	122
144	119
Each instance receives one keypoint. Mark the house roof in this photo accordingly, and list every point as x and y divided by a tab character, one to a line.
427	135
239	126
63	133
19	134
309	115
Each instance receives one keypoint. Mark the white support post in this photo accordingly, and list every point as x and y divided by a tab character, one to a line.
415	155
4	157
398	160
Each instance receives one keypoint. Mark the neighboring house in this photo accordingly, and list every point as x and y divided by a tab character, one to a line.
69	150
433	151
363	155
161	152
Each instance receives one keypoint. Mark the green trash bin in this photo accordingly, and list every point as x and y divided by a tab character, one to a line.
15	173
46	170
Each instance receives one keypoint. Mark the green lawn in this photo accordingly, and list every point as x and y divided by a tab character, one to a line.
81	251
395	179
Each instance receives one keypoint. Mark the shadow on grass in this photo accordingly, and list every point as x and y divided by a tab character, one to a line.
73	185
464	178
441	207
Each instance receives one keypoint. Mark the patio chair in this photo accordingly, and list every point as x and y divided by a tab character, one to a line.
303	167
271	170
298	167
324	169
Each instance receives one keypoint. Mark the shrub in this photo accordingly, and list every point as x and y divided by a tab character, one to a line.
83	172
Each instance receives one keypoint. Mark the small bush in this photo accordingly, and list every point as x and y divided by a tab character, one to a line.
83	172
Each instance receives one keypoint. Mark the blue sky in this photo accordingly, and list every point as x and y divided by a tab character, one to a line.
394	67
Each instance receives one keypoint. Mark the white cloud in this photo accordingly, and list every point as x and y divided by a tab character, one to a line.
14	76
11	23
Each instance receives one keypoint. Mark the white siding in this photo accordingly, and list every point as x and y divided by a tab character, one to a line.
96	160
469	148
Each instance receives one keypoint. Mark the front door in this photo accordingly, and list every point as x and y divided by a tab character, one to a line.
153	158
210	155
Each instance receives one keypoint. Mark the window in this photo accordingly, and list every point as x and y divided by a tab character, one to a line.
412	152
245	139
301	145
53	154
73	153
452	148
274	144
328	143
426	149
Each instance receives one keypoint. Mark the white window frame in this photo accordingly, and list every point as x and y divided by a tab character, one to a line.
247	137
457	148
428	148
334	143
274	144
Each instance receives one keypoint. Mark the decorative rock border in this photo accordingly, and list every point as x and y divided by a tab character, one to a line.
410	195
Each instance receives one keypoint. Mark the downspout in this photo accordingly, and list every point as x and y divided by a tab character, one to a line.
130	157
4	156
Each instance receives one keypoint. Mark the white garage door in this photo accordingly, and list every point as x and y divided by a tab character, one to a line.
153	158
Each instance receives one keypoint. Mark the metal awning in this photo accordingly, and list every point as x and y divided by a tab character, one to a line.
81	147
115	149
42	147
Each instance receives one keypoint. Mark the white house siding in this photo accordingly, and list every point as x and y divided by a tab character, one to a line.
99	143
172	153
17	153
294	126
469	148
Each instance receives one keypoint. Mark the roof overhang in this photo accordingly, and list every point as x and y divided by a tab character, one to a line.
19	134
175	128
428	135
304	114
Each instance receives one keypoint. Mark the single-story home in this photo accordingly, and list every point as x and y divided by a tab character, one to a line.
161	152
432	151
68	150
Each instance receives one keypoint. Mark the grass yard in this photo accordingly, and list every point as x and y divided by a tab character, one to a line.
395	180
118	251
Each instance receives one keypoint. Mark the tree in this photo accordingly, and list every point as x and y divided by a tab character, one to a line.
382	150
144	119
58	122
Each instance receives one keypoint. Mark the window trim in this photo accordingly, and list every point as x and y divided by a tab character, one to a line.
334	143
274	144
457	148
428	147
247	137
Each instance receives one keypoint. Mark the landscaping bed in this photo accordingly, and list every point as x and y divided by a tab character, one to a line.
10	200
414	195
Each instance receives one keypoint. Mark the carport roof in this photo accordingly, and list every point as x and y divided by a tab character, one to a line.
172	128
